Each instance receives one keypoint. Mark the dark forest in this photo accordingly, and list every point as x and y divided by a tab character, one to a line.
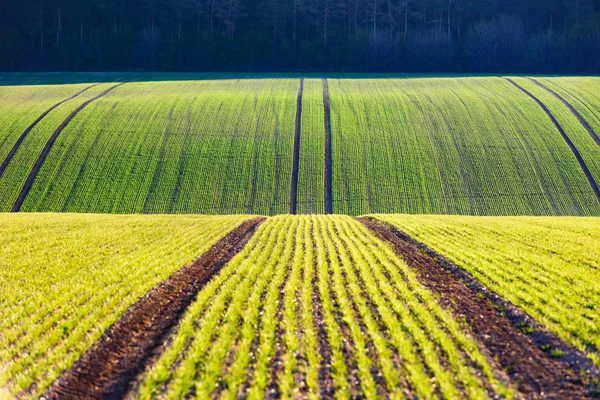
452	36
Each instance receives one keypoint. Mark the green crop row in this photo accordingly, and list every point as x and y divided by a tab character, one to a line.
548	267
209	147
450	146
311	173
66	278
316	303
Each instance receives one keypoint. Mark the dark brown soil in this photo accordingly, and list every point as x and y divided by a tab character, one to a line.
582	164
21	138
496	324
328	195
108	368
42	157
581	120
296	160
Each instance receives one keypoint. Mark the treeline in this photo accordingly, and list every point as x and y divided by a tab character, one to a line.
533	36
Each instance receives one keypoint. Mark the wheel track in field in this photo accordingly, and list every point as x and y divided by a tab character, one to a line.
566	138
328	195
46	150
296	159
109	367
26	132
495	323
576	113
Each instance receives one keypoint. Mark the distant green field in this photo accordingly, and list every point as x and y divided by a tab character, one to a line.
548	267
450	146
222	145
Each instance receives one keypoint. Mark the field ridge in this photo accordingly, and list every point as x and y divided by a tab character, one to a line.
513	338
576	153
42	157
108	368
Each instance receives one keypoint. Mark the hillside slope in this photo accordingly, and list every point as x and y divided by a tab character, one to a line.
465	145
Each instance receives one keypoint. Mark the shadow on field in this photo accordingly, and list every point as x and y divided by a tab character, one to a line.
62	78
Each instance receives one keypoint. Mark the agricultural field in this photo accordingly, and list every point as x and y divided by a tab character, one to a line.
226	145
214	147
287	236
61	291
15	172
311	306
548	267
475	146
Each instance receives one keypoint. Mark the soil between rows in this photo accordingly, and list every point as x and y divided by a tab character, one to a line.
494	323
108	368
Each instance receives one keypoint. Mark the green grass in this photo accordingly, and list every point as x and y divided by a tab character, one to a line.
66	278
253	328
548	267
473	146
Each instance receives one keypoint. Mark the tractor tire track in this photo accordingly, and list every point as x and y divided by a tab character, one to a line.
328	195
296	160
42	157
579	117
574	150
496	324
108	368
26	132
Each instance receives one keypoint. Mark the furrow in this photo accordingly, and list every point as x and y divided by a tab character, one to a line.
296	156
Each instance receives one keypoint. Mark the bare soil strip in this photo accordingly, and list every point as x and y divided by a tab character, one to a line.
295	165
582	165
581	120
42	157
21	138
108	368
328	196
496	324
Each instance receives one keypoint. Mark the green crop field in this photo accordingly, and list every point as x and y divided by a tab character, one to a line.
450	146
213	147
66	278
222	145
582	93
207	286
254	327
549	267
